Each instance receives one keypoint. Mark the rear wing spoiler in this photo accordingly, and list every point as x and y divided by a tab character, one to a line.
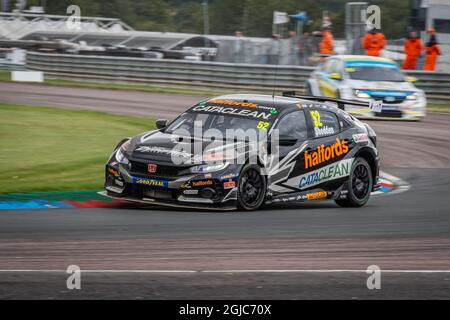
373	105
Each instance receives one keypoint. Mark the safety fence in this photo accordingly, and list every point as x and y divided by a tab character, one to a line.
211	76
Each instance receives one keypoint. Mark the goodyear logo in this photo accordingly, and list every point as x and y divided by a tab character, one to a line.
151	182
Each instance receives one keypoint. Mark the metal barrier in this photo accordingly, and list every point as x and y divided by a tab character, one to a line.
198	75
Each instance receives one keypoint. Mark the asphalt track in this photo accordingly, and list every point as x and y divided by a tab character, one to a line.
304	251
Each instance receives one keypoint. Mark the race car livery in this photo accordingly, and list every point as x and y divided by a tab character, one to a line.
244	151
364	78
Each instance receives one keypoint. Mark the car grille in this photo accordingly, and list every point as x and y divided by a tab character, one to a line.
142	192
389	114
162	171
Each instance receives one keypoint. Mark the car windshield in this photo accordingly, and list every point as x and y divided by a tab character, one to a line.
223	124
375	73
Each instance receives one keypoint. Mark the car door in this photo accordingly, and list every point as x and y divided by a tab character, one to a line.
330	78
326	149
322	77
290	156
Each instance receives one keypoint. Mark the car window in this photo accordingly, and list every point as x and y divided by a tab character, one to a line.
187	122
338	67
293	124
325	123
375	73
335	66
328	65
323	66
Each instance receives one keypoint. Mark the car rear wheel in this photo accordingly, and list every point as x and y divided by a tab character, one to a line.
251	188
358	186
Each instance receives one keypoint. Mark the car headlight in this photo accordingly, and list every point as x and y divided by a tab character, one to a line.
361	94
413	96
206	168
120	155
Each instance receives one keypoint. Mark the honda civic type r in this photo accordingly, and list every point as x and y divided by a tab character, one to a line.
281	149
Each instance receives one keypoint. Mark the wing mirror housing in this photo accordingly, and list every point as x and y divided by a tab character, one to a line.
411	79
336	76
161	123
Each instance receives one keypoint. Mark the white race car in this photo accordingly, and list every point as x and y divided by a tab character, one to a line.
365	78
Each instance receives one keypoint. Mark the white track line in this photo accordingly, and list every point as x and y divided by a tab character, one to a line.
225	271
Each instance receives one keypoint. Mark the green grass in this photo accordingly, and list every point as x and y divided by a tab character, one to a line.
46	149
5	76
438	107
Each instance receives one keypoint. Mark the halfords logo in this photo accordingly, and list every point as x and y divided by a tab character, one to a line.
234	103
202	183
325	153
333	171
115	173
317	195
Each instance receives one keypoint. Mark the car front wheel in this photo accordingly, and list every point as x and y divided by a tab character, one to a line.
358	186
251	188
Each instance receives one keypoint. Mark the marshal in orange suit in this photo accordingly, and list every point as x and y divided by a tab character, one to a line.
374	42
432	51
413	49
327	45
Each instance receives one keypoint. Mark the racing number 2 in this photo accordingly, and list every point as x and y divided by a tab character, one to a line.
315	115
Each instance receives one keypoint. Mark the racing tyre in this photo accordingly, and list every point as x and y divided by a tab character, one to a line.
251	191
358	186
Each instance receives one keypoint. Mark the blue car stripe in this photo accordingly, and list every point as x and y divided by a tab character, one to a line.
387	93
350	64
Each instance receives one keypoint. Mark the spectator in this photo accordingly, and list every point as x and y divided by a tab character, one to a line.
316	40
274	49
306	48
374	42
293	48
238	48
327	45
432	51
413	49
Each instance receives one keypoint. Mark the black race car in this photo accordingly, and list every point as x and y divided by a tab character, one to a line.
243	151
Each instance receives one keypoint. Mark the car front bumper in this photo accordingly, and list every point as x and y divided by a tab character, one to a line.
209	191
407	110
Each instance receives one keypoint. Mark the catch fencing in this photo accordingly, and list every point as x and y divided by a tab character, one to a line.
210	76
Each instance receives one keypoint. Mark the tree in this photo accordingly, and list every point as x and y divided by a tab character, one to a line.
253	17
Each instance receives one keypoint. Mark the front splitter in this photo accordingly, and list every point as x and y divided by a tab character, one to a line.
166	204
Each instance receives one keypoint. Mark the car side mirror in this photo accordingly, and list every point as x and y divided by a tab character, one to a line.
411	79
161	123
336	76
